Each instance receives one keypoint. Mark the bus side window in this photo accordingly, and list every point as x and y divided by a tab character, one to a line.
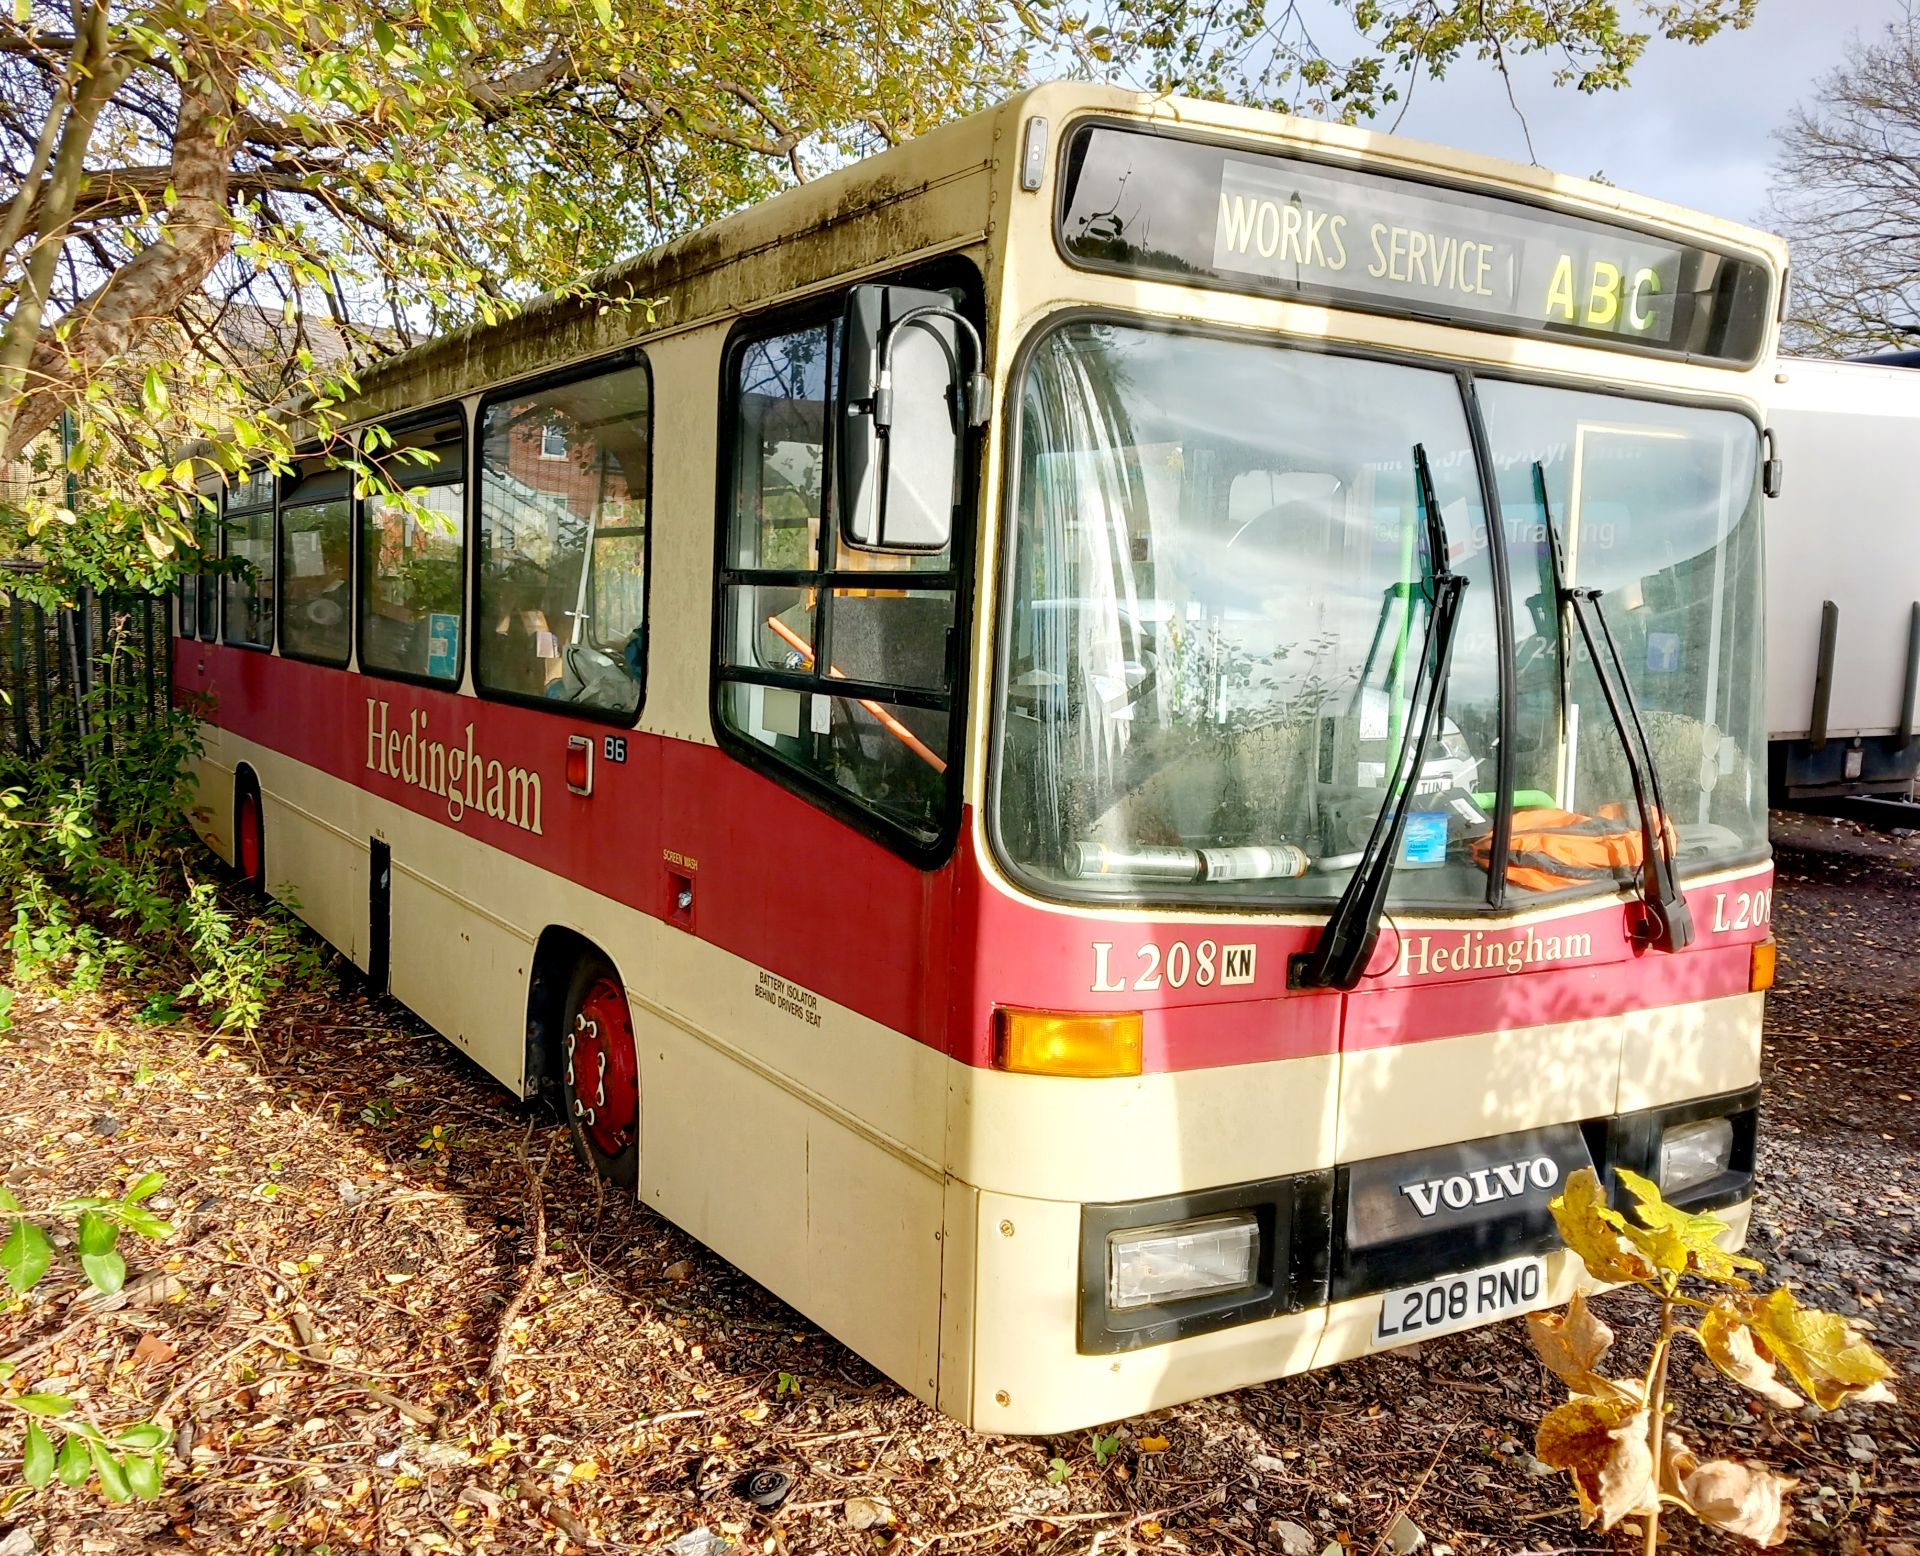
248	590
564	475
413	568
801	613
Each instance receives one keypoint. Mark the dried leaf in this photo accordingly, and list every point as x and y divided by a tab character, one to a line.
1826	1355
1593	1231
152	1351
1729	1345
867	1513
1570	1344
1602	1443
1152	1445
1745	1499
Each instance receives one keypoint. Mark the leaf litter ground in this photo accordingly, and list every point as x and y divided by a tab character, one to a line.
356	1207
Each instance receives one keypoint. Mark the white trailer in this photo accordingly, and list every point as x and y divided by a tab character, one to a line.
1843	581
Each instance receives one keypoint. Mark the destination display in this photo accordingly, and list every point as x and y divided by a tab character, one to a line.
1224	216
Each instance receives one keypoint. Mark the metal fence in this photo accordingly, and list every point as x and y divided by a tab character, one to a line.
94	669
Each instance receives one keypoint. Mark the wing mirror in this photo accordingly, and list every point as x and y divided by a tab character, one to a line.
913	386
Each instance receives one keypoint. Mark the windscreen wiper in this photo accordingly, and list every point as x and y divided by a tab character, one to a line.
1659	889
1345	946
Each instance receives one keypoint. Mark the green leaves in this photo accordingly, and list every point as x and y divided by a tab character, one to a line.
37	1456
25	1256
75	1462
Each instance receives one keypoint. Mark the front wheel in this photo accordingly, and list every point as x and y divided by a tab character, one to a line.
600	1073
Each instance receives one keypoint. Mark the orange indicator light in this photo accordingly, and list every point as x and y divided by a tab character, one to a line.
1052	1042
1760	974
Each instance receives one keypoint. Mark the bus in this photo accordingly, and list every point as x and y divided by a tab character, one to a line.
1843	621
1101	748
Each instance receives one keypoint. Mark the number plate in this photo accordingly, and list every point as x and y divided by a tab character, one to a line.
1460	1301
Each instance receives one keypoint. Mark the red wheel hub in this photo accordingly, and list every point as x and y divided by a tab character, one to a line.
603	1077
250	838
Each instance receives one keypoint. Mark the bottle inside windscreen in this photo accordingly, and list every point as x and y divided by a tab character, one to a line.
1247	862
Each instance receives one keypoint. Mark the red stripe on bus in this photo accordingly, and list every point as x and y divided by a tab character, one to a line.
786	887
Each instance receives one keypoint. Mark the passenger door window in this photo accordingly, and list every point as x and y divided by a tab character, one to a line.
836	664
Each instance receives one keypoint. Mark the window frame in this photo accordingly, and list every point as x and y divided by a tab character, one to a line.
353	550
271	507
951	272
1498	898
400	427
598	367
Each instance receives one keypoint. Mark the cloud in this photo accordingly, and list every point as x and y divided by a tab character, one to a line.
1695	127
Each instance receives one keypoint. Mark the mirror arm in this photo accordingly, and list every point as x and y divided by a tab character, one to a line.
978	388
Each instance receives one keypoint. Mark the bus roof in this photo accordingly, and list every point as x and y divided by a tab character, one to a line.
937	187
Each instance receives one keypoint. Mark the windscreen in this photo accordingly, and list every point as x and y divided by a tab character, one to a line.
1658	507
1221	588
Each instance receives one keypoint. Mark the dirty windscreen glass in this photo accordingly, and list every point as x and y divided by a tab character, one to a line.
1658	507
1220	589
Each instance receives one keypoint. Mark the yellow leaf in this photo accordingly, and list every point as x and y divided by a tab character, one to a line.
1150	1528
1730	1346
1602	1444
1592	1230
1826	1355
1152	1445
1571	1344
1679	1240
586	1469
1745	1499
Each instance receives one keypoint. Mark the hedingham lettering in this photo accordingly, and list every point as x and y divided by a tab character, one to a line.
1481	952
458	774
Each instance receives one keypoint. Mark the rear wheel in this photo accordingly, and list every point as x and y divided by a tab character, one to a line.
600	1073
249	840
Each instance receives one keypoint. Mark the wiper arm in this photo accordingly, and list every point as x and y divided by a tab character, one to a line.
1346	945
1666	904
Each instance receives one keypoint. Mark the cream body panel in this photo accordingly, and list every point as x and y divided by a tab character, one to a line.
1057	1138
1679	1052
1416	1095
328	863
1026	1335
686	384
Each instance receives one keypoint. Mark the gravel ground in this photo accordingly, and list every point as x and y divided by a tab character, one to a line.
364	1345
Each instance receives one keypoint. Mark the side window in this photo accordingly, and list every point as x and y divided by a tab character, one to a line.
204	584
413	556
836	664
248	589
187	598
564	473
316	567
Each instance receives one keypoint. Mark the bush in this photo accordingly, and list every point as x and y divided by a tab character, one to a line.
103	877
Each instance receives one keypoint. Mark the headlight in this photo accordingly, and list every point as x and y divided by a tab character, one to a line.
1692	1154
1188	1259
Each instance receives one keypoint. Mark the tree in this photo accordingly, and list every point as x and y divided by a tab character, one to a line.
219	208
1849	199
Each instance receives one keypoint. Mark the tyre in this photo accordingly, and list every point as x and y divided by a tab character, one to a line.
600	1073
250	839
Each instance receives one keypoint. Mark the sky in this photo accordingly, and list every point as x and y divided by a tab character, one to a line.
1695	127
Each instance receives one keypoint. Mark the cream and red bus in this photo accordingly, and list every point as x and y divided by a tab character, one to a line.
1101	747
